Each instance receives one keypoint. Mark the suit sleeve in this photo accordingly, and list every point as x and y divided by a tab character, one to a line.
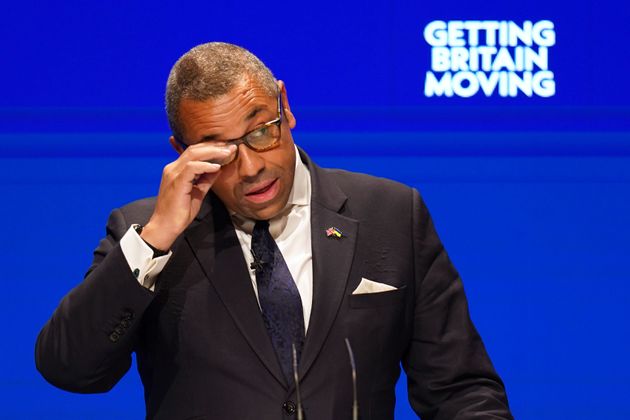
86	345
450	376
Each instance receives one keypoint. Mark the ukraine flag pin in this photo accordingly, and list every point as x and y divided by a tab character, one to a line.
333	232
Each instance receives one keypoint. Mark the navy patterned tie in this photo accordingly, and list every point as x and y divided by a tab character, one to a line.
279	298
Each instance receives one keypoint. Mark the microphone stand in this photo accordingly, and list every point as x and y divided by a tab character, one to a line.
300	413
355	402
296	379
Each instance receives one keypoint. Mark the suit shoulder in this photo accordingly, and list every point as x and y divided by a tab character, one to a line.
355	183
374	198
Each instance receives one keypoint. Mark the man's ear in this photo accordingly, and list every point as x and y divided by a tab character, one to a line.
286	108
176	145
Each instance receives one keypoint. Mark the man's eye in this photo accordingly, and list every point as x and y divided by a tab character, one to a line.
258	133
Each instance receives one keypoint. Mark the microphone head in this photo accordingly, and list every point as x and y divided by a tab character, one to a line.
257	264
295	370
351	356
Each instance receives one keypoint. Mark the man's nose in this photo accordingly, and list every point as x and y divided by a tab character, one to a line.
250	163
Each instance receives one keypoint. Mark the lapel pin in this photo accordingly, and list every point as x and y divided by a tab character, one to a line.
333	232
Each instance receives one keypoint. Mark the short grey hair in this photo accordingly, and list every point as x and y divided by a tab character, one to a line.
209	71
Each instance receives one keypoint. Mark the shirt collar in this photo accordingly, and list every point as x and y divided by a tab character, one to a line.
301	191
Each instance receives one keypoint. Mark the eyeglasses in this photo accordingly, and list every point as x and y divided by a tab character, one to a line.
260	139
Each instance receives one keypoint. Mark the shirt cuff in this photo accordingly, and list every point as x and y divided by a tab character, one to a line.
139	256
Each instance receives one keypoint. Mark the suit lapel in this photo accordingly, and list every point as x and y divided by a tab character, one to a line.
213	240
332	259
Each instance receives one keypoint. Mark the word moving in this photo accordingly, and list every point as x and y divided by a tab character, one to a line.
489	57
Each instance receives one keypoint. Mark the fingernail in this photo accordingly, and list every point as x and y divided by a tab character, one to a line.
227	149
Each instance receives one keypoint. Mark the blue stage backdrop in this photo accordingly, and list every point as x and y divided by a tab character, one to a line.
511	118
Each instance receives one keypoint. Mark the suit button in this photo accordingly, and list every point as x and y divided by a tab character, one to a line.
113	337
289	407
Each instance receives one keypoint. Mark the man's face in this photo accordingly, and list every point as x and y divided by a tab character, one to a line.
255	185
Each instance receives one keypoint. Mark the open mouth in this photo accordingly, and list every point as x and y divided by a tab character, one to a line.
264	193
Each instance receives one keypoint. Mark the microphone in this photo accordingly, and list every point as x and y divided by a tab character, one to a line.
257	264
355	403
300	414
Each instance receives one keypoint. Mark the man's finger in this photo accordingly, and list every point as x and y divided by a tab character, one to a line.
194	169
205	181
207	152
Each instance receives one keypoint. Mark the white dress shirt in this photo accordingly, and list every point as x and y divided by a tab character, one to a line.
291	230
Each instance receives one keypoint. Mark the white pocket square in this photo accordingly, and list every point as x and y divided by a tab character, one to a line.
368	286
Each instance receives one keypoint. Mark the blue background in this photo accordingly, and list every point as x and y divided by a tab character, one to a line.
530	195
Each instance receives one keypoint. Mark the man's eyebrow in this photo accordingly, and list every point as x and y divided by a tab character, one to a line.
209	137
254	112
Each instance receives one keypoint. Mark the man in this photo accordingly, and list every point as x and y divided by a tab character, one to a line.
250	251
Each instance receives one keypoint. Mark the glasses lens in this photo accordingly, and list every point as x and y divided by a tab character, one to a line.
264	138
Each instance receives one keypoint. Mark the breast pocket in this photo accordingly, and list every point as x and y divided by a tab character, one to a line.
375	300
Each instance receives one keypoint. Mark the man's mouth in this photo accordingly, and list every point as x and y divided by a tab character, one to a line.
264	192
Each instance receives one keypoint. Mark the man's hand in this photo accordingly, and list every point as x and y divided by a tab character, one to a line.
185	183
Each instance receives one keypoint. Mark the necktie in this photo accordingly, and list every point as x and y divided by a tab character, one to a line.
279	298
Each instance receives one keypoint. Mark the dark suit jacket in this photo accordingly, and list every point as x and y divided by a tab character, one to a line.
202	348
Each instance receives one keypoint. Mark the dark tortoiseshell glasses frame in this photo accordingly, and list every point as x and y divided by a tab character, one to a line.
260	139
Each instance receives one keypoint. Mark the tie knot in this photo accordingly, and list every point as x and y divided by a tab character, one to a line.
261	225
